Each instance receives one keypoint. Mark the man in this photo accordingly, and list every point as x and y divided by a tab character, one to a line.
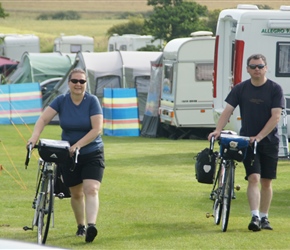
260	101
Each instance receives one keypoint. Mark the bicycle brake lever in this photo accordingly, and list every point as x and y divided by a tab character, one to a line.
212	139
255	146
77	154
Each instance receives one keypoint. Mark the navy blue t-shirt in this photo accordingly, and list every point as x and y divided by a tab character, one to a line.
75	119
255	106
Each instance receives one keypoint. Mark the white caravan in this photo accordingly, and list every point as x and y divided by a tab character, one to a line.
186	92
240	33
132	42
73	44
14	45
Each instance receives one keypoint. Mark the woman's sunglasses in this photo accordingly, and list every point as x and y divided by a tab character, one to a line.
253	66
75	81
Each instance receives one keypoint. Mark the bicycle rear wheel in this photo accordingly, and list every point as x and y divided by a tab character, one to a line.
217	204
227	194
45	210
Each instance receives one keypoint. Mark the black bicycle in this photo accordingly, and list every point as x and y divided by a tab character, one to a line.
232	148
51	152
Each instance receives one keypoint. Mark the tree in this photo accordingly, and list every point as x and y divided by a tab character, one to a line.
212	19
2	12
175	18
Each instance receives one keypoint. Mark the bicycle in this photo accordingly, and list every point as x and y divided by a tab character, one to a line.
51	152
232	148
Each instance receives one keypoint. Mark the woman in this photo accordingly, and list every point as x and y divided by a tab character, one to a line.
81	120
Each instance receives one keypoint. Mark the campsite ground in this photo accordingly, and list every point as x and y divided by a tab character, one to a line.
149	198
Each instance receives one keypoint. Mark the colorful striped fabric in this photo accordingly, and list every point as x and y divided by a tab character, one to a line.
121	114
20	103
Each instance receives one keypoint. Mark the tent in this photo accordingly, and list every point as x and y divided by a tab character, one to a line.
7	66
151	121
116	69
37	67
137	72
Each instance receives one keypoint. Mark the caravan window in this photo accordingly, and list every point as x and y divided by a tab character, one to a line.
287	105
203	71
167	79
283	59
123	47
111	47
75	48
142	84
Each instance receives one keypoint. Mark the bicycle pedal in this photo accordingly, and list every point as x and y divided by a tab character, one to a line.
208	215
60	195
27	228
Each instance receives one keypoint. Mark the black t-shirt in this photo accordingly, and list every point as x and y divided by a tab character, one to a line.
255	106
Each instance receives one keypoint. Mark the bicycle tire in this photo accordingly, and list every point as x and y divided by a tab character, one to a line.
227	194
217	204
36	201
45	210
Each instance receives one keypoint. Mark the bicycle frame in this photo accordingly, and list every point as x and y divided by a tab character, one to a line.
43	202
223	188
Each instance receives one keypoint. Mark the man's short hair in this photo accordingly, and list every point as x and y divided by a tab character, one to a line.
256	57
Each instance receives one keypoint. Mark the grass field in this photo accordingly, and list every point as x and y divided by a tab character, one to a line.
149	199
95	28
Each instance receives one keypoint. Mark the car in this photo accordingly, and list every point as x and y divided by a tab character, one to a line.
47	87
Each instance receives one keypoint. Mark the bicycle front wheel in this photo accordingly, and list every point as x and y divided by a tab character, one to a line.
45	210
227	194
217	204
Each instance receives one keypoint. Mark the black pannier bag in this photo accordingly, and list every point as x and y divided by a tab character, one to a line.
205	166
53	150
60	189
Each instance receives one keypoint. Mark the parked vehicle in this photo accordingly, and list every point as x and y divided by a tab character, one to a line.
73	44
47	87
13	46
186	92
132	42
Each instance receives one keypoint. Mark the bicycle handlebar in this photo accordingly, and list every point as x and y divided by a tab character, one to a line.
255	146
29	151
28	155
77	152
212	140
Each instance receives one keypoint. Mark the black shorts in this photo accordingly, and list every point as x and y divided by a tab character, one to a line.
89	166
265	162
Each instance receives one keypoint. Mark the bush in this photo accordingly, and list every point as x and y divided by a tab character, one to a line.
133	26
61	15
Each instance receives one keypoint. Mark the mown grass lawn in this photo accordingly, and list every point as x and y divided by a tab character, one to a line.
149	199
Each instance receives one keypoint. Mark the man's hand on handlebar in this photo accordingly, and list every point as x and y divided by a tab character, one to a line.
215	134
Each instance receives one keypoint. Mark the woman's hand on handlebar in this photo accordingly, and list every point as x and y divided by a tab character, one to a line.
31	141
74	149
